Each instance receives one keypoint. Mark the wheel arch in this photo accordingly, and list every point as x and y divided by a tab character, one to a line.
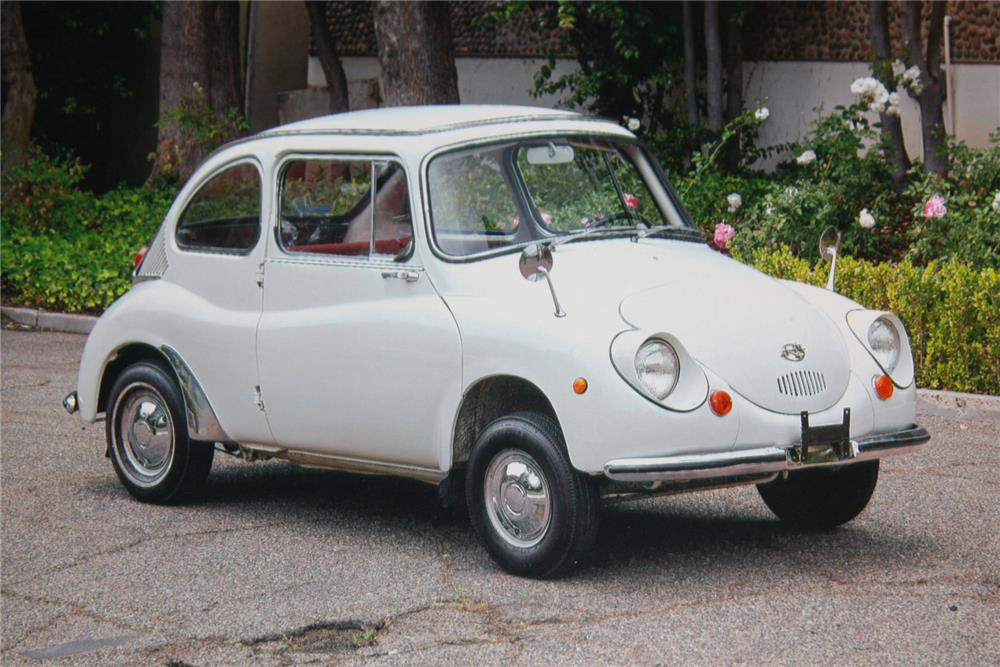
490	398
202	422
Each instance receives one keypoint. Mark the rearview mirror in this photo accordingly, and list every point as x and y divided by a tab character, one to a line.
550	154
535	262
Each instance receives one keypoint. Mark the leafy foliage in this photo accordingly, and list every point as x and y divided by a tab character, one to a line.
66	249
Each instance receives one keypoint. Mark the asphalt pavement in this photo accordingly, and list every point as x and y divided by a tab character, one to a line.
278	564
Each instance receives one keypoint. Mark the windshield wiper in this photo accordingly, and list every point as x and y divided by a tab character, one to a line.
676	232
598	226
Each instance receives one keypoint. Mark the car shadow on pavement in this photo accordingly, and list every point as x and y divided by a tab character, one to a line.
677	534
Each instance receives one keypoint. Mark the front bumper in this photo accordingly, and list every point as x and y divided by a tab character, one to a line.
763	460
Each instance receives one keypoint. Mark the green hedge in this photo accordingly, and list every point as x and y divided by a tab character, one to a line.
951	311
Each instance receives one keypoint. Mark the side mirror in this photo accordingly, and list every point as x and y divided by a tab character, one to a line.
535	264
829	249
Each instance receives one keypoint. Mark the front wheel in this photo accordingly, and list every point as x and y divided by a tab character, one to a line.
146	428
533	512
821	497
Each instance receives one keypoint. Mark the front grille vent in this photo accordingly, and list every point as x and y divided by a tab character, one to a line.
801	383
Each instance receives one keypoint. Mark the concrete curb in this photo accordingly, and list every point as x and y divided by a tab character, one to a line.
41	319
957	405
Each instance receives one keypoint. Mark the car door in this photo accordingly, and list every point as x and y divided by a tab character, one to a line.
218	249
359	357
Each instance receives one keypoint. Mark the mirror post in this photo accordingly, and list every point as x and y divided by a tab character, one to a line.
555	300
833	269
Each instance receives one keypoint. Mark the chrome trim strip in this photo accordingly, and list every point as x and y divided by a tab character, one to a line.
761	460
201	420
347	464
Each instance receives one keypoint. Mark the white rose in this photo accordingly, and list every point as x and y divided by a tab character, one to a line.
633	124
898	68
761	114
996	201
735	201
807	158
893	108
858	86
866	219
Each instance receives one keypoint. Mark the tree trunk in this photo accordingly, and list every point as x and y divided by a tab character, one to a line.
19	91
690	82
892	129
200	71
931	96
329	58
713	65
415	53
734	81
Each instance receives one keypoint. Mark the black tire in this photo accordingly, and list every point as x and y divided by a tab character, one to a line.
573	499
172	472
821	498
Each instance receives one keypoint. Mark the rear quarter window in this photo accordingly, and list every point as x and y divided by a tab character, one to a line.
224	214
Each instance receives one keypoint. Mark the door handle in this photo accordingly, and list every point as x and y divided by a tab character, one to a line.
408	276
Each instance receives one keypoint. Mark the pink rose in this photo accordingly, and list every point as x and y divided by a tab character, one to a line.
723	235
547	219
631	201
584	222
516	221
935	207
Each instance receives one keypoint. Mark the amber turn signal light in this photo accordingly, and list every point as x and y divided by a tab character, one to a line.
883	387
580	385
721	402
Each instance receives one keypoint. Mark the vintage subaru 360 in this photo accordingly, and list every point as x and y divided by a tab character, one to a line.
350	292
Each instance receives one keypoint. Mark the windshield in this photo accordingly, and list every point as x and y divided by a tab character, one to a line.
503	195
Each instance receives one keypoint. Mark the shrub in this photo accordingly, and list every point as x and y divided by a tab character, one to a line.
951	311
67	249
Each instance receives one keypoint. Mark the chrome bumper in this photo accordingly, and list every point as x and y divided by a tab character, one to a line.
762	460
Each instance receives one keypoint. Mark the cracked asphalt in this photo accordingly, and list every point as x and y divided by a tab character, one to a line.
284	565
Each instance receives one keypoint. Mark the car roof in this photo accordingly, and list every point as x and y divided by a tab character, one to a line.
420	119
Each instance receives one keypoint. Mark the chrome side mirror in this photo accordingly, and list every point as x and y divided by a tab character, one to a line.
829	249
535	264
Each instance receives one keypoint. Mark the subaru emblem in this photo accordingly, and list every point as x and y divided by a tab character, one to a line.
793	352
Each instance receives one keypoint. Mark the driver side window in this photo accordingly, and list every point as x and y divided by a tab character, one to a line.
344	207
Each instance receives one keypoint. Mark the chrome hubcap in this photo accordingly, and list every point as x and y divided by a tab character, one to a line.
517	498
145	434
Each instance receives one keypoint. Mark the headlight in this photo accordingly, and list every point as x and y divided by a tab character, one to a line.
883	340
658	368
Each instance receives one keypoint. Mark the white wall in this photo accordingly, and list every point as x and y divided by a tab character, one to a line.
792	91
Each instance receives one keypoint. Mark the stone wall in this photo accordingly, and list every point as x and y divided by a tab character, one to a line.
838	31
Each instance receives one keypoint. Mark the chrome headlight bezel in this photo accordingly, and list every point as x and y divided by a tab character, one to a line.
645	367
884	342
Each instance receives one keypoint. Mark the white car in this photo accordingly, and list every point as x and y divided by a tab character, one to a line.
508	302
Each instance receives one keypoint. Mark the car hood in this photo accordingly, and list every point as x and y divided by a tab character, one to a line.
731	318
737	322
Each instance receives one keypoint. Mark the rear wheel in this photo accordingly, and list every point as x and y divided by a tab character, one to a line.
146	428
533	512
821	497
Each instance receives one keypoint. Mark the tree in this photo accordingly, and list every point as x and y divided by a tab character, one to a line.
199	83
734	79
892	129
713	65
329	59
19	91
690	81
415	53
930	91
